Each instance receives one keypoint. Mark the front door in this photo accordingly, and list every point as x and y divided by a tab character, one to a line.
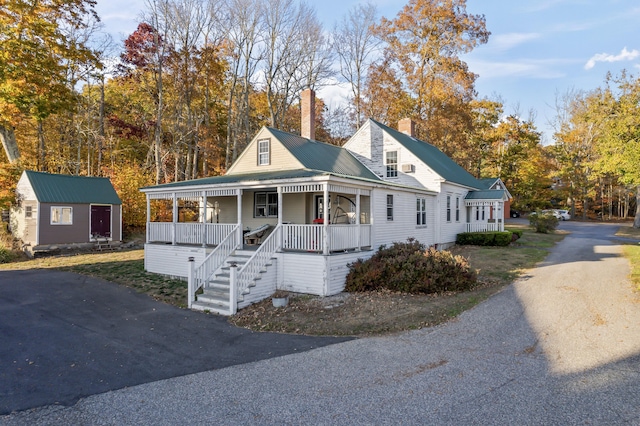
101	221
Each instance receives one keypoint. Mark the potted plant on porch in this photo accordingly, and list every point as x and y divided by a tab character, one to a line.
280	298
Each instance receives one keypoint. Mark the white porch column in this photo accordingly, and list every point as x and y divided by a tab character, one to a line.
204	218
175	219
280	211
239	198
325	222
148	218
358	241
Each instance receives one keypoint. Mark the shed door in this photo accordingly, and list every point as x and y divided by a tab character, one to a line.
101	221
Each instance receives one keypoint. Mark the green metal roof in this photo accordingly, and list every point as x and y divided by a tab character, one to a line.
486	194
487	182
316	155
54	188
434	158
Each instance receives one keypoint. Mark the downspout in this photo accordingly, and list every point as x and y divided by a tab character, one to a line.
280	212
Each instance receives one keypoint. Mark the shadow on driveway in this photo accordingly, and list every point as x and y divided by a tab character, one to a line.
66	336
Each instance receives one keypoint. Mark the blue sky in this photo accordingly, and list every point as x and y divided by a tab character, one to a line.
538	49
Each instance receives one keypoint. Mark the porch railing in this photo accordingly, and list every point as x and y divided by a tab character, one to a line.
210	234
213	261
311	238
247	274
486	227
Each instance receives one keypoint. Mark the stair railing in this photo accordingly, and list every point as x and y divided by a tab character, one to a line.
199	276
241	281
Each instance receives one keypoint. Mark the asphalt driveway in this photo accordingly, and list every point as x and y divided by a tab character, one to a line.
66	336
559	346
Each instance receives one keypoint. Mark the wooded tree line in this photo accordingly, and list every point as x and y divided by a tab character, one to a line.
189	88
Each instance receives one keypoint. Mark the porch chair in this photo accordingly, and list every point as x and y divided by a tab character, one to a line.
254	236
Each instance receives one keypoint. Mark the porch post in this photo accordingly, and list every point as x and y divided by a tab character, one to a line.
148	218
175	219
358	241
239	199
204	218
325	222
280	211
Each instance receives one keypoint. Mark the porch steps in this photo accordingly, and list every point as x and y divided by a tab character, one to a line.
215	296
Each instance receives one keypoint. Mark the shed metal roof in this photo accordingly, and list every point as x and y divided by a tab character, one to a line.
56	188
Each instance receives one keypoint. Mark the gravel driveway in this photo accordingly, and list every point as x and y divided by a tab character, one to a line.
559	346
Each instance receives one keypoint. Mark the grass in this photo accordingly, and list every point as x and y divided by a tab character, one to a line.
632	253
357	314
122	267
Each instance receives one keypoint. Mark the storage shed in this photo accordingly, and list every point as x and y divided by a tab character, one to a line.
53	209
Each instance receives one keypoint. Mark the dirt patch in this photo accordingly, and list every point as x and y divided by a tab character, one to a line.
360	314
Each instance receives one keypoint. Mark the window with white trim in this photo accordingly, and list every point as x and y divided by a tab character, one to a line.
265	204
457	209
389	207
61	215
448	208
264	155
392	163
28	211
421	211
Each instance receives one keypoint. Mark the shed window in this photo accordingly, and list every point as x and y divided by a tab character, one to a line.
264	152
28	211
61	215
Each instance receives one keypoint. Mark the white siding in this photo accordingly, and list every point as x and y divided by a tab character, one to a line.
303	273
338	269
171	260
450	229
280	157
403	224
264	287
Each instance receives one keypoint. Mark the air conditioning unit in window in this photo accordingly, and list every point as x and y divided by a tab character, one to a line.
408	168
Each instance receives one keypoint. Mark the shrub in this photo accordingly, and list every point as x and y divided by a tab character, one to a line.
517	232
543	222
485	238
6	256
411	268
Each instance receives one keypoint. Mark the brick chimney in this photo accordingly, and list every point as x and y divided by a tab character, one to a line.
308	113
407	126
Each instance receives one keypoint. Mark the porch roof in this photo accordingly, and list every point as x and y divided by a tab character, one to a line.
248	178
487	194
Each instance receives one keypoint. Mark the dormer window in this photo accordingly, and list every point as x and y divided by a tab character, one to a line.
264	154
392	163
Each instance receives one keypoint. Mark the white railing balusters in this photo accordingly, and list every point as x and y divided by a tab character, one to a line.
250	270
213	261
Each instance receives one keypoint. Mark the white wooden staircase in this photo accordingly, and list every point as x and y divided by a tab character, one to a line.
212	292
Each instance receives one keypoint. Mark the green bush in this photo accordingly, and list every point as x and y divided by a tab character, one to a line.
543	222
484	238
411	268
517	232
6	256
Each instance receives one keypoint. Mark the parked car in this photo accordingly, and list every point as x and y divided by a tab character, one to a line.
515	213
563	214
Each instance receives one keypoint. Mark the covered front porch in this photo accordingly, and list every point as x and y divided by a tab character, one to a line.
205	217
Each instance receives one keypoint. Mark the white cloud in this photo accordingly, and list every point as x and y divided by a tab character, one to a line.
625	55
524	68
508	41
